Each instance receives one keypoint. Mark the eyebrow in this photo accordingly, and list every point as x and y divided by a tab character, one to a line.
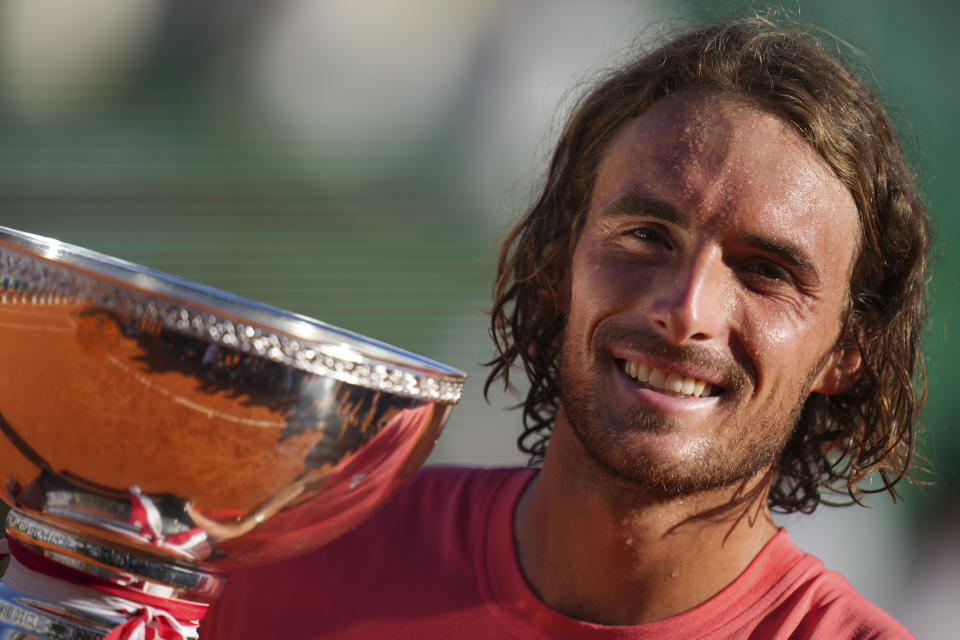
631	204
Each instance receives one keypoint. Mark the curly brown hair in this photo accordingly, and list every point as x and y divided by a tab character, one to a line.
840	441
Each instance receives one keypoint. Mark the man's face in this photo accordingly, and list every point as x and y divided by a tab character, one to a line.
706	294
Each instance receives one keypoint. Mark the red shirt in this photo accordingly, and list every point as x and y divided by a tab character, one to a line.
439	562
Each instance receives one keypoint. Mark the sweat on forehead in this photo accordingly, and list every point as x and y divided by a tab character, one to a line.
695	130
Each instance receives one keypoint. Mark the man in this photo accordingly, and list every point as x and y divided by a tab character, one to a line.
717	300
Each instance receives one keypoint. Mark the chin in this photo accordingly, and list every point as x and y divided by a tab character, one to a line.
656	458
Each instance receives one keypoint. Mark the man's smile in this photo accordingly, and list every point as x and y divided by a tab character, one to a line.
670	383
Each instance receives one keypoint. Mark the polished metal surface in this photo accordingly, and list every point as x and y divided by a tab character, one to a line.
158	433
26	618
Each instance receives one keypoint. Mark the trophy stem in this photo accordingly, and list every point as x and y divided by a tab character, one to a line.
64	583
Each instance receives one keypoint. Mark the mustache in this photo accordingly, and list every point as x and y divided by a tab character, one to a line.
733	375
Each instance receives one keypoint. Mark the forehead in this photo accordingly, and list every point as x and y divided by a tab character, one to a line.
726	163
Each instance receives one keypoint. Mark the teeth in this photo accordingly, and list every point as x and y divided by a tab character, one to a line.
657	378
673	383
643	372
668	381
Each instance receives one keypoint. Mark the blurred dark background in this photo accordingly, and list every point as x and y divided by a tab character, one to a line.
357	160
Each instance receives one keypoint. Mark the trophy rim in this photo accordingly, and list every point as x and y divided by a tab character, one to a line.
234	321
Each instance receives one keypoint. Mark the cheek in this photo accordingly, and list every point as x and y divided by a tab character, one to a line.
785	344
798	323
774	330
603	284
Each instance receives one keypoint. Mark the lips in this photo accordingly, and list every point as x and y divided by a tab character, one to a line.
672	383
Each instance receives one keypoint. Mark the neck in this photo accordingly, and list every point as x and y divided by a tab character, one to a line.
597	548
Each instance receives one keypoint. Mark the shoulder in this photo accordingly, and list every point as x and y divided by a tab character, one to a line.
449	487
451	502
817	603
414	559
435	503
837	610
436	519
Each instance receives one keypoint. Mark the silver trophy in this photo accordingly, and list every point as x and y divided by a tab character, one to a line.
156	434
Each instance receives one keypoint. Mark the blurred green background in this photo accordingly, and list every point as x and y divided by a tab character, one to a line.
357	160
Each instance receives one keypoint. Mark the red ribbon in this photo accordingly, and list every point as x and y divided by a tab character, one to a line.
154	628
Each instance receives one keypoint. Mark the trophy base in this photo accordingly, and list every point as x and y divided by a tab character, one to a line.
24	617
64	582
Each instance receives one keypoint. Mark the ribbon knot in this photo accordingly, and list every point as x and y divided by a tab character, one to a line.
151	624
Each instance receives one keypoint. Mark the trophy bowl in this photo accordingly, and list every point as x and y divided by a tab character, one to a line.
157	434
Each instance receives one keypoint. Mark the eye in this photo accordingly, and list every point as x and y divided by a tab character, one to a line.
650	234
768	272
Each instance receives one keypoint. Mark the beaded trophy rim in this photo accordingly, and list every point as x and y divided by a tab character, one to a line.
45	269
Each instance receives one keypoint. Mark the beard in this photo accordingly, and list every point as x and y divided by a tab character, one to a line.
704	463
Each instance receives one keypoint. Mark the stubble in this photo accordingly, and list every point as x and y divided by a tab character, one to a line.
705	462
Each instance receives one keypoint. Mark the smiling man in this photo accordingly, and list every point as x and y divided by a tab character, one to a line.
717	301
715	255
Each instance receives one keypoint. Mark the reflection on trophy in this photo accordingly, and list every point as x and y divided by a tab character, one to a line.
156	435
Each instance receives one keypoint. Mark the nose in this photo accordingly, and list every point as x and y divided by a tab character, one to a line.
690	301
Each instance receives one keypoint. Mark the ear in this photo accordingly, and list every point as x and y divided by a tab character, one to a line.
839	372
